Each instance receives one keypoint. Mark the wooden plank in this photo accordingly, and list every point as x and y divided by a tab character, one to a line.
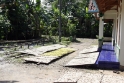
50	56
82	60
41	59
40	50
85	57
69	77
93	55
89	49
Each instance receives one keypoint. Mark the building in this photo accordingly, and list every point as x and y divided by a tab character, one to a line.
111	10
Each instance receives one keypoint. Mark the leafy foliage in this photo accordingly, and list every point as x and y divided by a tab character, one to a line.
23	16
25	19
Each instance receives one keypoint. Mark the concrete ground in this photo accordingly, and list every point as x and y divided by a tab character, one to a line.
33	73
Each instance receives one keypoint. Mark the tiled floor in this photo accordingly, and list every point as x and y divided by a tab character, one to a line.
107	57
83	77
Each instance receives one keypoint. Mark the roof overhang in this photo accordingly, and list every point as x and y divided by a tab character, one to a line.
110	14
105	5
108	7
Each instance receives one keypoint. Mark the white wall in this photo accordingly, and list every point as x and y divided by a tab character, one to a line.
110	14
121	56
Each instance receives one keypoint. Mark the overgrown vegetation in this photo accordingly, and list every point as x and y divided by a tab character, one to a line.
25	19
59	52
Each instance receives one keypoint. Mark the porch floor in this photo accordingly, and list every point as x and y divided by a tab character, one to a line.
107	58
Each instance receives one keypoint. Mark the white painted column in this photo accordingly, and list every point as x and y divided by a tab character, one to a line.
101	24
121	56
119	26
116	31
113	32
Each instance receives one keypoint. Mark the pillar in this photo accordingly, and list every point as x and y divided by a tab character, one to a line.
101	24
121	55
113	32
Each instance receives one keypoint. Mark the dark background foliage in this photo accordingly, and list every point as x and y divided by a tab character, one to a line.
24	19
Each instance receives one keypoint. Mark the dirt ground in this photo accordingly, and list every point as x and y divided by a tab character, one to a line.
33	73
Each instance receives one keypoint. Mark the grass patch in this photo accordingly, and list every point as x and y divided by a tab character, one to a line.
55	39
65	42
59	52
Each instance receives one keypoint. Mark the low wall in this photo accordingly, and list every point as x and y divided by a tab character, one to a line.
107	39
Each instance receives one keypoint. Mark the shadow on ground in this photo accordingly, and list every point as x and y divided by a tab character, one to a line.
8	81
77	41
90	52
89	66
